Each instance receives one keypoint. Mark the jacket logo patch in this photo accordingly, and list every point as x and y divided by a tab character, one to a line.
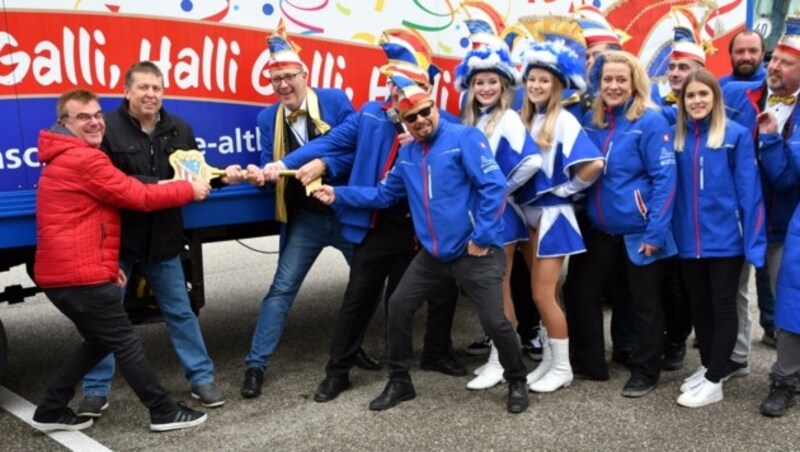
488	164
667	157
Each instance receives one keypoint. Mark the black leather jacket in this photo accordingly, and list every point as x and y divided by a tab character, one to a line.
157	236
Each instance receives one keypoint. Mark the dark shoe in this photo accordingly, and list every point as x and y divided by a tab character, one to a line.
92	406
517	397
67	421
394	393
780	399
182	417
363	361
330	388
734	369
208	395
253	379
622	357
447	365
480	347
770	338
533	348
673	356
637	387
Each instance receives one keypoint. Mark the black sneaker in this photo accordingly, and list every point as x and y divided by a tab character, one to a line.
182	417
533	348
68	421
481	346
92	406
781	397
674	355
208	395
637	387
734	369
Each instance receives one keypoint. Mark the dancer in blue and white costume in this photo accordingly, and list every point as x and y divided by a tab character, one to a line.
488	76
570	163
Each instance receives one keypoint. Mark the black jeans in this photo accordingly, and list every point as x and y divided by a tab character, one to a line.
605	255
712	284
103	323
386	252
677	308
481	278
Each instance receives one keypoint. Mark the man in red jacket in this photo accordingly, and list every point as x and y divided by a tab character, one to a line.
77	260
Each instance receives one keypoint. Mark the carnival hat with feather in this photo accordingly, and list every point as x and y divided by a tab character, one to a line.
408	53
688	41
790	41
283	53
559	48
489	52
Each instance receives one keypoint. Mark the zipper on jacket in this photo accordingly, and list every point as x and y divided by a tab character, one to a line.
606	151
427	195
697	180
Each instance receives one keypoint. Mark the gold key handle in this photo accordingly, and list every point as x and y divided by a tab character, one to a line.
191	165
313	185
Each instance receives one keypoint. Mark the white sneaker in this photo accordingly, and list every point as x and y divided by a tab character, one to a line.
704	394
694	380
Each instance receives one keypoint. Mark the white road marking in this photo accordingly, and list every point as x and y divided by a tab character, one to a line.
72	440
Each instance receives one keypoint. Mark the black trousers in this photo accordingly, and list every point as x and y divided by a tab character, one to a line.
103	323
481	278
382	258
677	307
712	284
589	274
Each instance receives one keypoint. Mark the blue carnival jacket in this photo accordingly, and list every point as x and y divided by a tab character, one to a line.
635	193
334	107
758	76
743	102
718	208
455	189
371	134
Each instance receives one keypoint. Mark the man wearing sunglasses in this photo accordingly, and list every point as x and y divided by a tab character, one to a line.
384	239
302	115
456	193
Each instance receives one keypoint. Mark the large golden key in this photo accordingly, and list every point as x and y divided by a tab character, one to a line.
313	185
191	165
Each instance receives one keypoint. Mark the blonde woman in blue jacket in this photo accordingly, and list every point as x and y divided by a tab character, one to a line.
718	221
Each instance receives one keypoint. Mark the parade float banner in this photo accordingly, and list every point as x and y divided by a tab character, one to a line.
213	54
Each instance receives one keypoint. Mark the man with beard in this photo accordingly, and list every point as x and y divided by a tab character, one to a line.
746	50
456	193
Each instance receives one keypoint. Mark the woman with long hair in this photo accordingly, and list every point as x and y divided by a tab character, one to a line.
570	163
718	221
630	210
488	77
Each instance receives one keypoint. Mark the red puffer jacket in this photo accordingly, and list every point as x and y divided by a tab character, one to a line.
77	217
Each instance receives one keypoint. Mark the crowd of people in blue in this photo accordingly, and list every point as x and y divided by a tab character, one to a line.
660	203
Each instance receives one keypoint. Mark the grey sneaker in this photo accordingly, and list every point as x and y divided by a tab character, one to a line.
92	406
208	395
734	369
67	421
182	417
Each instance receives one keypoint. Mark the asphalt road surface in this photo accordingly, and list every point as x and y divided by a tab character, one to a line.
444	416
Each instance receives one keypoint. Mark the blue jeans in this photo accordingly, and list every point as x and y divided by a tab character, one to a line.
307	234
167	282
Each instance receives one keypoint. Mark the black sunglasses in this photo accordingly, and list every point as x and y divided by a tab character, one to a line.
425	112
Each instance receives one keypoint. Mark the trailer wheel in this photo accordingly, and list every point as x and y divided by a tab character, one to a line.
3	351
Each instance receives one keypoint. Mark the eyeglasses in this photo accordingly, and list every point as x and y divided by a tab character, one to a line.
83	117
425	112
288	78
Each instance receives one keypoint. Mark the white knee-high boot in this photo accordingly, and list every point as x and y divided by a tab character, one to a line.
491	375
560	373
547	358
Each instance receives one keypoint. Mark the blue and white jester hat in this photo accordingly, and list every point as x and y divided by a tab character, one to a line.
557	58
790	41
485	59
